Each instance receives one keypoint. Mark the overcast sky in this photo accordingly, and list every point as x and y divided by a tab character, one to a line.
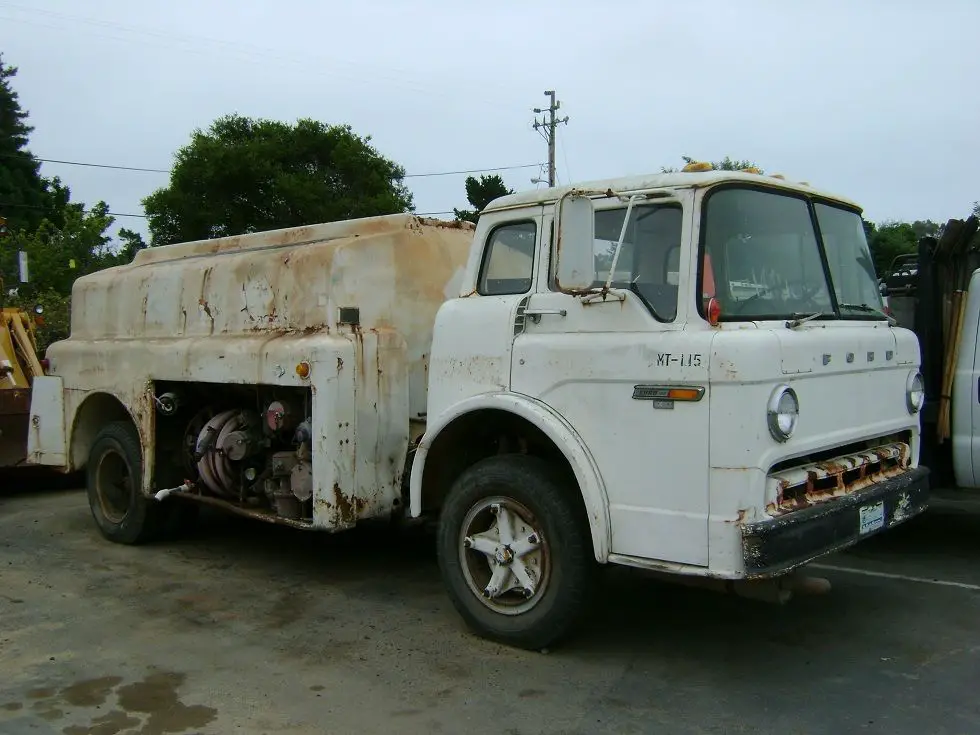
874	99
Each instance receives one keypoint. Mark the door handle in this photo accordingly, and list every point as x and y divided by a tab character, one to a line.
536	314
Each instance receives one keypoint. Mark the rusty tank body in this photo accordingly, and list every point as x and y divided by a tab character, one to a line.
223	355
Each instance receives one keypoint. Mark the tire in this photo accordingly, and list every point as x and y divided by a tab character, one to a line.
562	567
115	472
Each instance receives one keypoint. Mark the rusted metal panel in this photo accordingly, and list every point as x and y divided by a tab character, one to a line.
398	270
247	310
820	482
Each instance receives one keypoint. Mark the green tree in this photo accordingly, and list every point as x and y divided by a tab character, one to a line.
22	190
726	164
132	243
479	193
55	310
926	228
888	241
26	197
57	255
62	241
246	175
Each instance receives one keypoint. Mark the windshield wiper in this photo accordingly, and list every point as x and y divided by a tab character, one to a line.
870	310
798	320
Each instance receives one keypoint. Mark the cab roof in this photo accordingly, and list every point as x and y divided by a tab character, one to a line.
675	180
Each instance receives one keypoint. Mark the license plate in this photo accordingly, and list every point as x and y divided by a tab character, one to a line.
872	517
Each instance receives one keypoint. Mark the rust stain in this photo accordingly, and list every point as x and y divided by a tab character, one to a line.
346	513
838	477
258	514
740	518
348	507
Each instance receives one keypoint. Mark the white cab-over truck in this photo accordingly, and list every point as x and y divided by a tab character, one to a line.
687	373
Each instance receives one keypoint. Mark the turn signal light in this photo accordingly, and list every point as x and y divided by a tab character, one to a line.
303	369
685	394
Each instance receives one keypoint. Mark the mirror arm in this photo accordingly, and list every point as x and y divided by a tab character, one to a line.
622	236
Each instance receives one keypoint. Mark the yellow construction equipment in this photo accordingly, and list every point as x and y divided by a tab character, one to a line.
19	365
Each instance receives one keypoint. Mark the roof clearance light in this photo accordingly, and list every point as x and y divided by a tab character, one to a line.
750	170
697	166
303	369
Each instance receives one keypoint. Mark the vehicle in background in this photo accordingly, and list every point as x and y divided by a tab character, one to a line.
19	366
935	292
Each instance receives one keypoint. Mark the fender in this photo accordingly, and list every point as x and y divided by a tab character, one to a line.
556	428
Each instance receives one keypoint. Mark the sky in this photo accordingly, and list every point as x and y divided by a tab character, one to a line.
874	100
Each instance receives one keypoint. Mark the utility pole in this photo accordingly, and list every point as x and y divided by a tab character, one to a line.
547	128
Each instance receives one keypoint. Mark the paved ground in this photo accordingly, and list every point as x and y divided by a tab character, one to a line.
245	628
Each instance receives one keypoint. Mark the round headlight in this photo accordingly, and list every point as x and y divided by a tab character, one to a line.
915	392
782	413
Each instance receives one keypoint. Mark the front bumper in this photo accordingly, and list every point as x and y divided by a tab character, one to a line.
777	545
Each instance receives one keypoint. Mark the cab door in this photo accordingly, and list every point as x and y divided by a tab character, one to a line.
631	380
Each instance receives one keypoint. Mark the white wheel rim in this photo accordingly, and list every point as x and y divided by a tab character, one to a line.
504	555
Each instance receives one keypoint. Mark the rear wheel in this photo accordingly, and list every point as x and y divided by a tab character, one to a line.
515	552
115	474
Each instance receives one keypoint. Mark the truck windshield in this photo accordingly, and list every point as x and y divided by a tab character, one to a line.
763	259
852	270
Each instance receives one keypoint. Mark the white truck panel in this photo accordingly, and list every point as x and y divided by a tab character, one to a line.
397	270
46	444
965	402
353	301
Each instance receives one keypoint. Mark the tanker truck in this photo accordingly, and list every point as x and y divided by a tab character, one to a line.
688	373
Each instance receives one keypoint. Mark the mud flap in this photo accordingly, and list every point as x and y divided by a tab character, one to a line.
46	441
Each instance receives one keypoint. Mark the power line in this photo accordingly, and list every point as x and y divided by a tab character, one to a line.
473	170
93	165
166	171
84	211
143	216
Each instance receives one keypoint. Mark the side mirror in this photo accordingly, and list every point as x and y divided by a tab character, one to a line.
575	248
38	309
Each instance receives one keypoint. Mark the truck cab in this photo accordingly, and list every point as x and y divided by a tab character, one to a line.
714	348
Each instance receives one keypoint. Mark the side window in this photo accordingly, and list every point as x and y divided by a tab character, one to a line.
508	261
649	261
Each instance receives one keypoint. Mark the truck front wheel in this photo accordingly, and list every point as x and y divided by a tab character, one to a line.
115	472
514	552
